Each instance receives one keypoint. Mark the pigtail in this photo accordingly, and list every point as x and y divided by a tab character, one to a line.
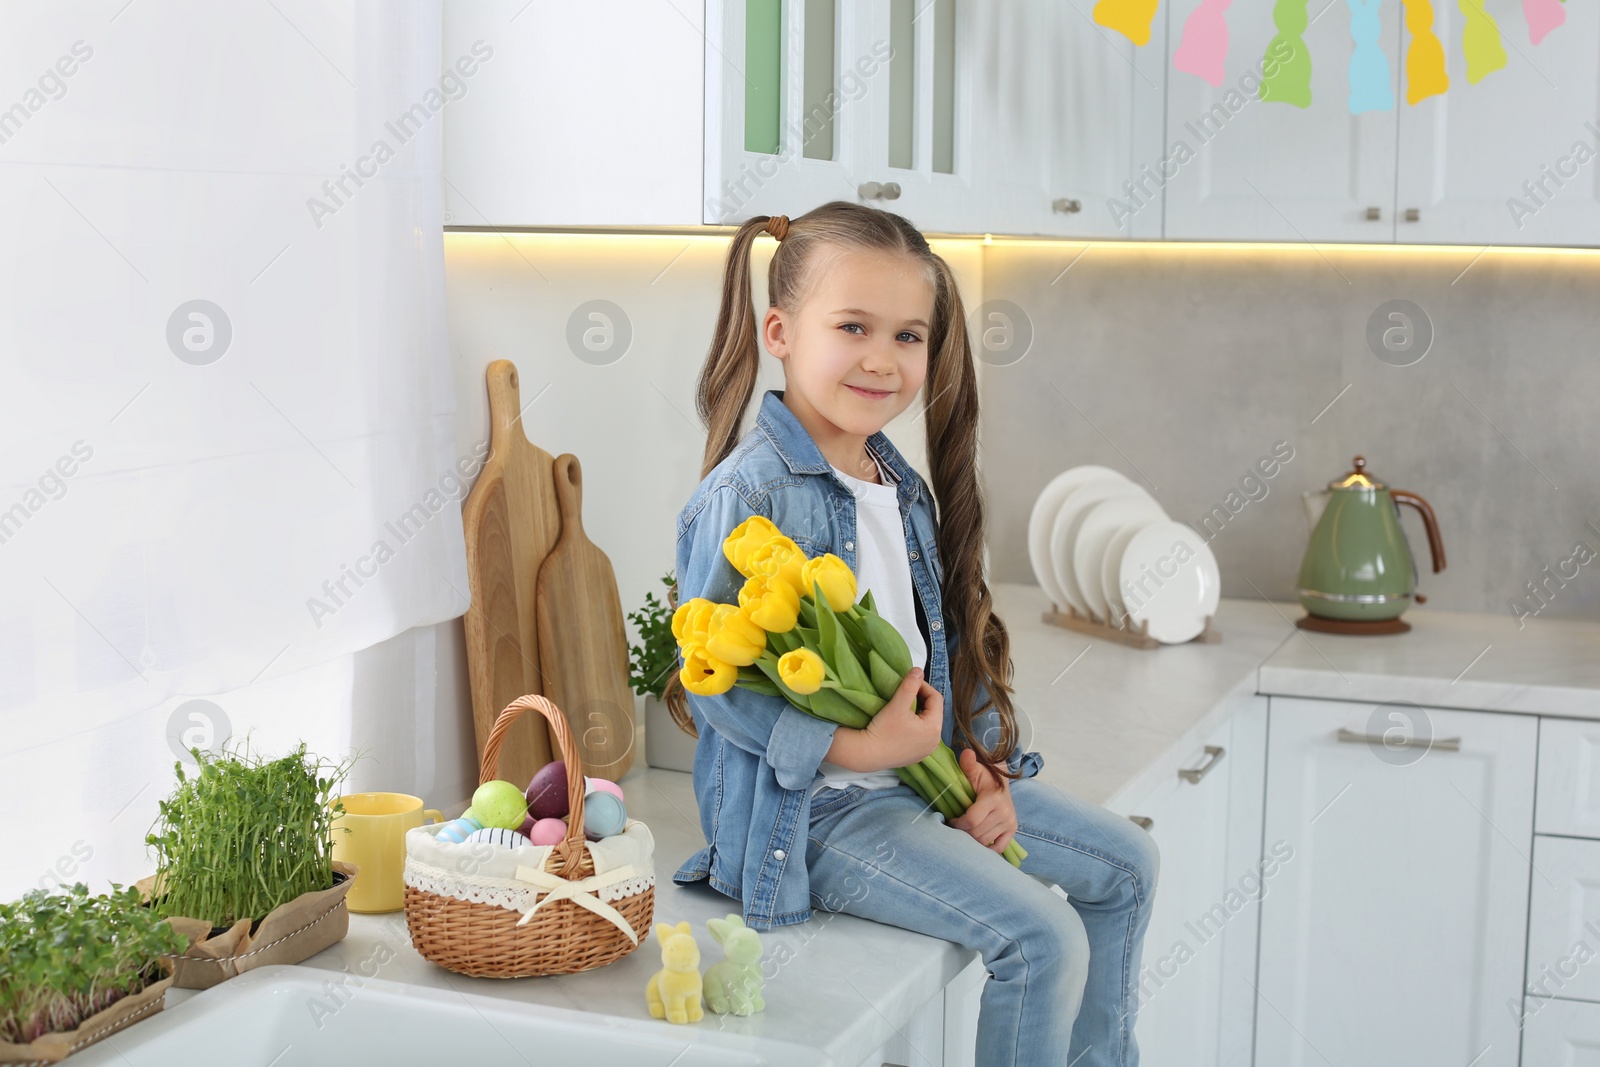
982	651
728	379
727	384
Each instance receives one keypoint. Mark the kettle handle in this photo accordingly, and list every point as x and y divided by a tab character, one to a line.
1435	543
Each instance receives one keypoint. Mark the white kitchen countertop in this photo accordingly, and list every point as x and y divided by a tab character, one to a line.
1109	721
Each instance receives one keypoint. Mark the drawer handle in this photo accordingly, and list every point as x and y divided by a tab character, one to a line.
1214	755
1448	744
1142	821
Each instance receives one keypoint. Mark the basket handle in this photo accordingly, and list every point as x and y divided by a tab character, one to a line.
570	848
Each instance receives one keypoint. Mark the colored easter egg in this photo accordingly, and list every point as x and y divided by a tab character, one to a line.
604	785
457	830
547	793
498	835
603	815
548	831
499	803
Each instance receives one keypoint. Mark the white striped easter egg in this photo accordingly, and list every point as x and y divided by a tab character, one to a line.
497	835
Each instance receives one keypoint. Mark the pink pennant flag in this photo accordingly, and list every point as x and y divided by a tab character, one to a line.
1204	49
1543	16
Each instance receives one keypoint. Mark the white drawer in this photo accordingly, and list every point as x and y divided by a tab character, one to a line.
1569	778
1559	1032
1564	920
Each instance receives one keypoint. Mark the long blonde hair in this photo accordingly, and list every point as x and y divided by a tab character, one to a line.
950	395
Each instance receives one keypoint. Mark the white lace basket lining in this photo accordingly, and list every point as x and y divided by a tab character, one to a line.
486	874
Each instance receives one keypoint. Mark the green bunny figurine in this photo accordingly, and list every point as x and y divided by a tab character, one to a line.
734	984
674	991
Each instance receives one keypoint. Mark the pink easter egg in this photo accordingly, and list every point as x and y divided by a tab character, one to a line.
547	831
604	786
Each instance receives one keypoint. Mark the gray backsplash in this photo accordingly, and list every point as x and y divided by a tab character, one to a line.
1183	365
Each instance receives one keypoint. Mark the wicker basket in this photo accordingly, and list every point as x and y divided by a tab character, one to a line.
562	936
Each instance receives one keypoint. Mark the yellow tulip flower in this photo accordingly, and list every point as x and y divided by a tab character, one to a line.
783	560
691	619
771	604
734	637
705	675
745	539
802	670
834	575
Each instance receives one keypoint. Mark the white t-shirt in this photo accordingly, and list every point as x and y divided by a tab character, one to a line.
881	566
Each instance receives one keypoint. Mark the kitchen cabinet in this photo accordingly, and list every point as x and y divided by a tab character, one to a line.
1472	160
1074	116
1195	1000
1016	118
1559	1032
1022	118
1396	933
1242	168
577	115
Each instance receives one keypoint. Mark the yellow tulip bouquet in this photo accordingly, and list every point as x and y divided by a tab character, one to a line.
799	633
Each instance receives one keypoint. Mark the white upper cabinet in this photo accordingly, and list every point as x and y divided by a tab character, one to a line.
580	115
966	118
1086	108
1027	118
1511	159
1243	168
787	89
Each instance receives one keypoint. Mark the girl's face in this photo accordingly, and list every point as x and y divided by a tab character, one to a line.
855	353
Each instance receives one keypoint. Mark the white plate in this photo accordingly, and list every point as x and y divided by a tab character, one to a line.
1111	570
1043	518
1169	579
1065	529
1095	530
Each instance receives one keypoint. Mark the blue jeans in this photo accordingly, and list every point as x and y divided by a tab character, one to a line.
1064	986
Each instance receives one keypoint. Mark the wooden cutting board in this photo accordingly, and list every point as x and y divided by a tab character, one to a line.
583	645
512	520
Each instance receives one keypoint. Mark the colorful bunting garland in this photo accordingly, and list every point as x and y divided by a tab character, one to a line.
1203	47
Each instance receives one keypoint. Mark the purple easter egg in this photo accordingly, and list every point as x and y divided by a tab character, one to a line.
547	793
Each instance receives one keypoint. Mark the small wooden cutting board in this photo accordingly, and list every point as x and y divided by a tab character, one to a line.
583	644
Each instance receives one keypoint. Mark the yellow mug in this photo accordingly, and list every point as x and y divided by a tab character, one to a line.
376	843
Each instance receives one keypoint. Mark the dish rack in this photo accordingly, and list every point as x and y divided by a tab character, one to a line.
1124	634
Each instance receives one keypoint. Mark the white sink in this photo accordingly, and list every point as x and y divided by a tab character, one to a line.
283	1017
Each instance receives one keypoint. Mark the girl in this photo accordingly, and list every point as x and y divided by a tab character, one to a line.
864	316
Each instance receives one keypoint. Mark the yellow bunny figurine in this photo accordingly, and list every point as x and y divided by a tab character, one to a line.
674	992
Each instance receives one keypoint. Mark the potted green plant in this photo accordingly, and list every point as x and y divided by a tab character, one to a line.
245	865
75	968
652	662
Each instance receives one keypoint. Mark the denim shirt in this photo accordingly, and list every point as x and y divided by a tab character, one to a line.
758	756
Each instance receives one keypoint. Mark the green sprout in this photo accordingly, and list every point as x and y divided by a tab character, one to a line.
243	834
65	956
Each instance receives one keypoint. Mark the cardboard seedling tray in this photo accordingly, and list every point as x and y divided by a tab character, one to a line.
293	931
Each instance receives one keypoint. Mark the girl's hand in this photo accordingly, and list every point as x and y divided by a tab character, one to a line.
898	733
992	820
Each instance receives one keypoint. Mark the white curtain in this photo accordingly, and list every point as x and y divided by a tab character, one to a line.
227	453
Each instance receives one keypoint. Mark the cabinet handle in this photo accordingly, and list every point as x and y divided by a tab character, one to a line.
1374	214
1066	205
1214	755
1413	214
1448	744
1142	821
879	190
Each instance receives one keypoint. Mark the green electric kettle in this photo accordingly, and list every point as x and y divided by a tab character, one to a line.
1358	574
